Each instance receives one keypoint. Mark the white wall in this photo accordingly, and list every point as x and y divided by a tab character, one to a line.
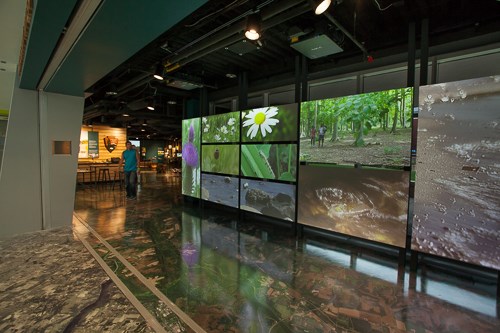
20	180
37	188
61	119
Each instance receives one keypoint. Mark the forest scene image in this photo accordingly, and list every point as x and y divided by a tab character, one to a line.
369	129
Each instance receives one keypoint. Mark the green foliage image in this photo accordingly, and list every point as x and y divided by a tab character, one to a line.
221	159
221	128
273	123
269	161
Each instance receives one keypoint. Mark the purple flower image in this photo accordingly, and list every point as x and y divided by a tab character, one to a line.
191	157
190	154
191	133
190	254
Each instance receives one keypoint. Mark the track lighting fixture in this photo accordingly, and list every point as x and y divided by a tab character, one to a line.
151	105
321	5
158	74
253	26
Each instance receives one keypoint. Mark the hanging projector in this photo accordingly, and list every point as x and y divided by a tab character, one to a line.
316	47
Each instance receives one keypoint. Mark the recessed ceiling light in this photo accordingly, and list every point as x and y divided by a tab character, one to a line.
126	115
111	93
231	75
143	130
172	102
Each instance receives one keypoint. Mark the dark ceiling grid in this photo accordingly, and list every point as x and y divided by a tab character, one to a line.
197	45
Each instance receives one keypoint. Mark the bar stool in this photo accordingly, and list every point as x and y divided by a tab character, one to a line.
83	172
120	176
104	175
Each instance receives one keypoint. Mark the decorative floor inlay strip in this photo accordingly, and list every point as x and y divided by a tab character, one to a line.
172	306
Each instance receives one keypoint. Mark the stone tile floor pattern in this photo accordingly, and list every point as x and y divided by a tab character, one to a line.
50	283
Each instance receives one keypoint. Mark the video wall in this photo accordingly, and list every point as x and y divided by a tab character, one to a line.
344	165
247	159
457	187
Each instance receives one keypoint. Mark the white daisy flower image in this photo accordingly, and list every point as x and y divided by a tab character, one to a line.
224	130
204	120
261	118
231	121
217	137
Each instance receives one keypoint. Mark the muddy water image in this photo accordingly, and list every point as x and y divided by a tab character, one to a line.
220	189
457	192
366	203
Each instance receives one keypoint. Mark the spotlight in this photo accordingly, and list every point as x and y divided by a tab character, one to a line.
159	72
321	6
252	31
151	105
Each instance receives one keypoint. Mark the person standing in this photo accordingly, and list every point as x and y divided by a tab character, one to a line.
130	169
313	136
321	139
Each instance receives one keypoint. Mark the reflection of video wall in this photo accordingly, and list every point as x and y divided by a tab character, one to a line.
370	129
457	188
191	157
365	203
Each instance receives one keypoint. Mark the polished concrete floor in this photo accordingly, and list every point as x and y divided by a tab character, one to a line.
205	268
160	264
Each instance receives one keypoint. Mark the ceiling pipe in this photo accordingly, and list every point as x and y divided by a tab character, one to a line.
347	33
266	14
235	38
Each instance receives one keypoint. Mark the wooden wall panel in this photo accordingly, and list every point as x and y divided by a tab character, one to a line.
104	154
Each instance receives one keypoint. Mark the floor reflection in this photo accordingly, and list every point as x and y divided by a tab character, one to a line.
233	275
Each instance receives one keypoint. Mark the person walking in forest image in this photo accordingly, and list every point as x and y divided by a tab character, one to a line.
313	136
321	138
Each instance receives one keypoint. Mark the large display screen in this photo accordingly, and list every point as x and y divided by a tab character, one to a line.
270	161
221	158
221	128
457	188
268	124
220	189
370	129
191	157
362	202
268	198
